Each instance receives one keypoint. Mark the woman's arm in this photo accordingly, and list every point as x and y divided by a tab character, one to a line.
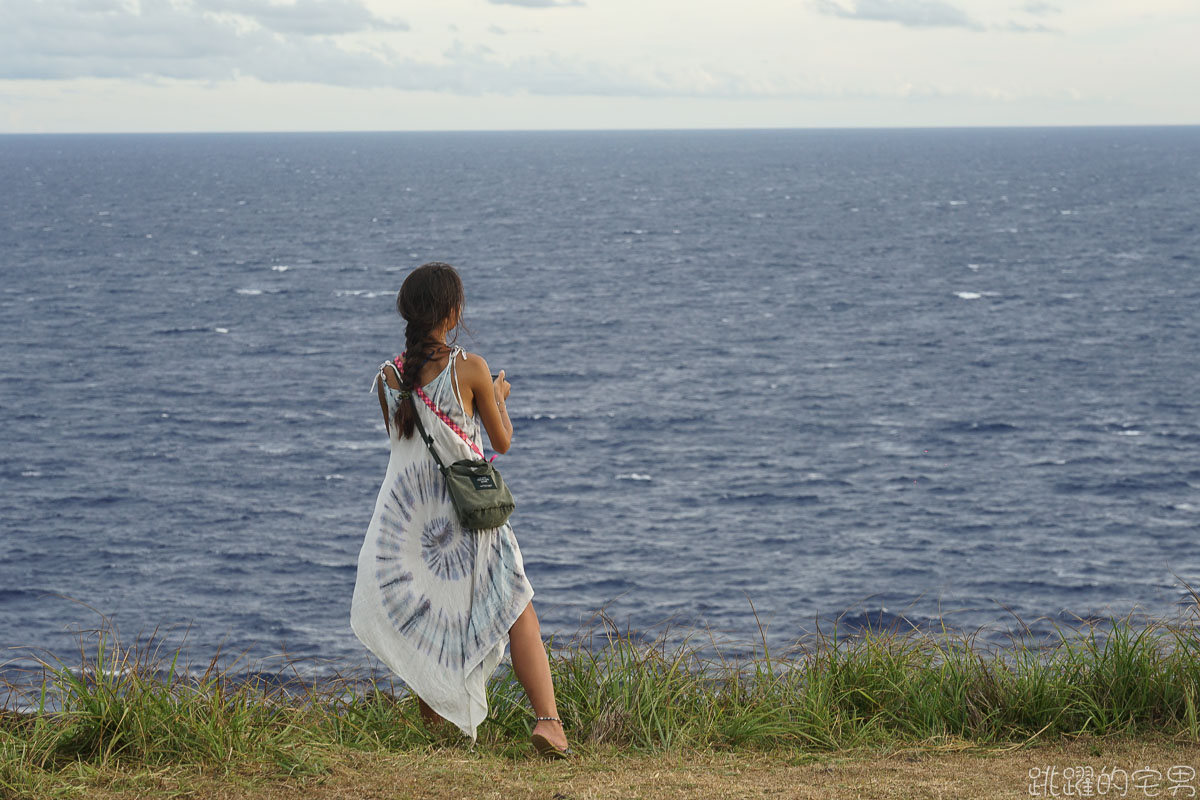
393	380
489	399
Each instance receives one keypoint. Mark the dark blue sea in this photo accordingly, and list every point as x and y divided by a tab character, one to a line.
758	377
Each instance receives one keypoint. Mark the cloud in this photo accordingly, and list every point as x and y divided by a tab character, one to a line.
1021	27
929	14
538	3
911	13
206	40
305	17
63	30
1034	8
1040	9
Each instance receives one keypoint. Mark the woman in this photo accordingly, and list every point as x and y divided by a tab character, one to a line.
433	601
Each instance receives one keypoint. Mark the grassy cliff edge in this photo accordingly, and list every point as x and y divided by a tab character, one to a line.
131	721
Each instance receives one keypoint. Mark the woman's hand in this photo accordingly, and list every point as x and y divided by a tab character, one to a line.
493	415
501	388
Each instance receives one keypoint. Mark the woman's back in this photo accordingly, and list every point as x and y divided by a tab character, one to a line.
440	384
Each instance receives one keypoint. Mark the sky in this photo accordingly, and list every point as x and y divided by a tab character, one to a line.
318	65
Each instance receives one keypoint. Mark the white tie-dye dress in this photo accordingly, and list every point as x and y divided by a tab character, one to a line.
432	600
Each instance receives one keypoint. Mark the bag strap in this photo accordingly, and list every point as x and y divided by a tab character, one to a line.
432	406
441	467
427	438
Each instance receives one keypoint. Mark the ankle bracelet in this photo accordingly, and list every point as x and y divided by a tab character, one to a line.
553	719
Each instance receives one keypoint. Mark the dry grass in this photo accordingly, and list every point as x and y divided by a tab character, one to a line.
953	770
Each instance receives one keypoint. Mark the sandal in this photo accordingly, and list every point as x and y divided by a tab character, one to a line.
545	747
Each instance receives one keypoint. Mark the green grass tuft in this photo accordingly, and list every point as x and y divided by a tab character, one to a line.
138	708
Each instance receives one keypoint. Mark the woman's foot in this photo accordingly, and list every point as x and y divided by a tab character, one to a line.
551	731
434	722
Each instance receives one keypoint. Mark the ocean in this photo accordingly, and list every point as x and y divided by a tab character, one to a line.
762	381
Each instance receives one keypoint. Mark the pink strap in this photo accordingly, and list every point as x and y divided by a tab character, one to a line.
442	415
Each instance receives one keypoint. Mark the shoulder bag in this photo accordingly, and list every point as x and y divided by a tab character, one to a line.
477	491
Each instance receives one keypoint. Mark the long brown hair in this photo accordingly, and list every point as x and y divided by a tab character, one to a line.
429	295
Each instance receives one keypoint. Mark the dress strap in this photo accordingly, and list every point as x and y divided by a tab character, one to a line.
381	377
454	375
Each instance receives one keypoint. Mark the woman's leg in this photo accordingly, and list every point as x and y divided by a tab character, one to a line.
532	669
432	719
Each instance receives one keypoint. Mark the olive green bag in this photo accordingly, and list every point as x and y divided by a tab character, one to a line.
477	491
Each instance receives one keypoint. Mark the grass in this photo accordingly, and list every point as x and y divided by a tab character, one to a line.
137	714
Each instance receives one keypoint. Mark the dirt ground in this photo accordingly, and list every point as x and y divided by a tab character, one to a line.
1119	768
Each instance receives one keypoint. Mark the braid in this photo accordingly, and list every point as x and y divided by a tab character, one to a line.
429	296
416	354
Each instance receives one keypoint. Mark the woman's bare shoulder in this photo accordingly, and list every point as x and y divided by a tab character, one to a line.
475	363
390	374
